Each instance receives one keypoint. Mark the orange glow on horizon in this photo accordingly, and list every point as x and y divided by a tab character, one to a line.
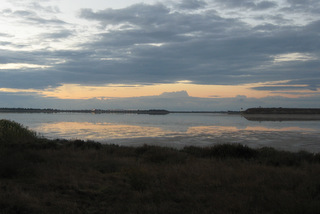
77	91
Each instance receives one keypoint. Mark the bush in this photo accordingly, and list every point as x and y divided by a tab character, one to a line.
80	144
13	132
19	163
270	156
222	151
139	178
156	154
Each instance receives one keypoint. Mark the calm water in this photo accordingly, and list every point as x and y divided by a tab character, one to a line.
175	130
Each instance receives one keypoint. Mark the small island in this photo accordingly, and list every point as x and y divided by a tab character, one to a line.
281	114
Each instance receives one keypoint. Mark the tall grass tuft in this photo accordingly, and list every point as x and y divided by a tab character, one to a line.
13	132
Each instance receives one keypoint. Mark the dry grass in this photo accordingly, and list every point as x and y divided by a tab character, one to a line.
86	177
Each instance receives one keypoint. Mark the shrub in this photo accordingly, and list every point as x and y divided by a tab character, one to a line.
80	144
13	132
273	157
139	178
17	163
157	154
235	150
222	151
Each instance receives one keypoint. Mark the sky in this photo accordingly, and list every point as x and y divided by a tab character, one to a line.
176	55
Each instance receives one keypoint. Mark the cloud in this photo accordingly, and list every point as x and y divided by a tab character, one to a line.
264	5
203	40
47	9
28	80
248	4
192	43
312	6
5	35
191	4
283	88
177	94
60	34
139	14
31	17
312	83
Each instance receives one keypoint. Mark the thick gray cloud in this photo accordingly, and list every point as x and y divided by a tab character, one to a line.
204	48
5	35
306	6
191	4
282	88
265	5
154	45
248	4
32	17
61	34
48	9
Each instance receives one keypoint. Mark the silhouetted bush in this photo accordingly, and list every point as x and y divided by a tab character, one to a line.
138	178
222	151
274	157
80	144
13	132
19	163
156	154
108	165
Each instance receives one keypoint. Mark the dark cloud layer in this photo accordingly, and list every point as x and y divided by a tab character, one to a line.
191	4
202	47
31	17
248	4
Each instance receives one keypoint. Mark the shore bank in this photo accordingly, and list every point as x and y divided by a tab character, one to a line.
38	175
290	111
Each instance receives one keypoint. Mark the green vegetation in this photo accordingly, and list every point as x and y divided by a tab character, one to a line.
57	176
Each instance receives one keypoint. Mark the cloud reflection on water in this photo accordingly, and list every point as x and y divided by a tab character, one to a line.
105	131
286	138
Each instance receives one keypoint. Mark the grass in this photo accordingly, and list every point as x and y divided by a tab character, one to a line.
57	176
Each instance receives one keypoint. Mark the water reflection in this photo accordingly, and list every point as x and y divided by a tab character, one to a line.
105	131
285	138
175	130
215	129
98	131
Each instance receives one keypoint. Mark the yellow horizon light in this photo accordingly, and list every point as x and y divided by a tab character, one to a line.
113	91
77	91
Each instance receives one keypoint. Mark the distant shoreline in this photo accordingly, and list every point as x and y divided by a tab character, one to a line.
287	111
281	114
254	114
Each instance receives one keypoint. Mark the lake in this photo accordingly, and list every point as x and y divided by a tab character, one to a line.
174	130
